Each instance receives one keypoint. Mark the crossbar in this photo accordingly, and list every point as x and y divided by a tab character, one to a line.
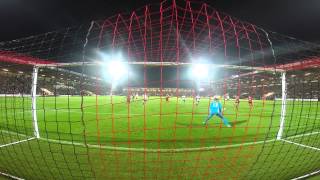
236	67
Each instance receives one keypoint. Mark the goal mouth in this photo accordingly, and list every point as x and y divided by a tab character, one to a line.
84	93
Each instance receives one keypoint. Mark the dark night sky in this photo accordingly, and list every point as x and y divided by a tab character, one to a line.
20	18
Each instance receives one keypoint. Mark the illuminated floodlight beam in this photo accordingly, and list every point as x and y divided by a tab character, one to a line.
200	71
116	71
114	68
257	69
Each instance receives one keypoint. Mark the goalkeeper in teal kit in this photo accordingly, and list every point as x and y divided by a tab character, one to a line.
216	109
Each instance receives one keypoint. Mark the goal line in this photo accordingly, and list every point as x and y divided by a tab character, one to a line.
307	175
178	150
302	145
16	142
148	150
10	176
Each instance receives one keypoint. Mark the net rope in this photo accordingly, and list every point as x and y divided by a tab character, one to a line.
127	97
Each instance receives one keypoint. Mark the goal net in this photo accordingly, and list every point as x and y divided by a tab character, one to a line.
175	90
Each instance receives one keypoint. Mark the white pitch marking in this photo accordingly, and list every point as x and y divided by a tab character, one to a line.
17	142
11	176
302	145
301	135
307	175
13	133
162	150
170	150
157	150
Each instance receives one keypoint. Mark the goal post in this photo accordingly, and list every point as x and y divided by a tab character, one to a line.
34	101
283	105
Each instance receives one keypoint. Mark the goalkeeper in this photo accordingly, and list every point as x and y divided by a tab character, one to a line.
216	109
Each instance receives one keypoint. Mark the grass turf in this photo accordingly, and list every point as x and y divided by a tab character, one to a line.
157	125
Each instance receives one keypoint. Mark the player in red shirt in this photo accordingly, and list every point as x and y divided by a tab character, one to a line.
250	101
128	99
237	102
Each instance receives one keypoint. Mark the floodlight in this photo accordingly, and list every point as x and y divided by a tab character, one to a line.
116	70
200	71
113	66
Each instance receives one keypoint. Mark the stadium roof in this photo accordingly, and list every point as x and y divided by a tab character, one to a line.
171	31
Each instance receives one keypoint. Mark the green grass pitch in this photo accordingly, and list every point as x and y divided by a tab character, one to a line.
92	137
